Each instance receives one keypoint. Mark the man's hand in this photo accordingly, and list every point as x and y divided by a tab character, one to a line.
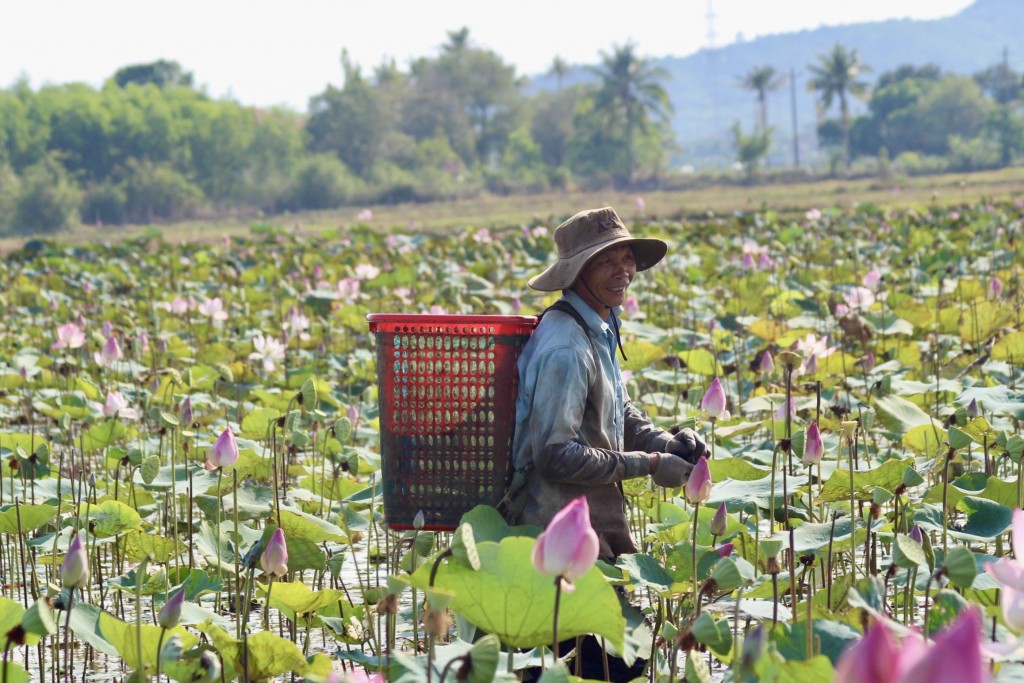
671	471
688	445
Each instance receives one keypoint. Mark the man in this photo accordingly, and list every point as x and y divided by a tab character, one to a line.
577	433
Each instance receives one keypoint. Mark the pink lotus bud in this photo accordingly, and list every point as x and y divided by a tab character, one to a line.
170	613
224	452
868	361
186	410
767	366
517	305
419	520
780	412
275	557
568	547
995	287
352	414
720	521
811	364
111	351
972	408
748	262
630	306
143	341
725	550
917	534
74	570
713	402
106	329
872	279
698	486
814	447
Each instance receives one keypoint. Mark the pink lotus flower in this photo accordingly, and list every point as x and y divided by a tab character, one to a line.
117	404
955	655
224	452
640	204
872	279
878	658
360	676
814	447
214	309
69	336
178	306
366	271
348	289
274	559
297	324
713	402
170	613
859	298
267	349
110	354
813	344
720	521
1010	573
74	570
698	486
365	215
767	366
568	547
630	306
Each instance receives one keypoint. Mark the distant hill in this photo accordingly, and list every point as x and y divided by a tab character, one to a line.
704	87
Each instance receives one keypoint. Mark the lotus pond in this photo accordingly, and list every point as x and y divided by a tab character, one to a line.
171	413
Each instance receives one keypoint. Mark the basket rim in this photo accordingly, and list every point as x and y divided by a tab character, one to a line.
451	318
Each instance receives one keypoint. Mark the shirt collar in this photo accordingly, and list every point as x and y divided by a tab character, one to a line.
590	316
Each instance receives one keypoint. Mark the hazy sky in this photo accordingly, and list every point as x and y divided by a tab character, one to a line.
267	52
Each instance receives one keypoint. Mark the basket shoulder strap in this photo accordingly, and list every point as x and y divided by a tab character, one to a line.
563	306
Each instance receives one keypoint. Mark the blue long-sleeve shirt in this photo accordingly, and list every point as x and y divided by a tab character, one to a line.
576	425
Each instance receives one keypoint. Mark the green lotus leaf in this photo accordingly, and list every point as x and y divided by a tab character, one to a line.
109	518
25	517
509	598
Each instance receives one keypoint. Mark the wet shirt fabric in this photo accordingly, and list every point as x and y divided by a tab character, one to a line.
576	425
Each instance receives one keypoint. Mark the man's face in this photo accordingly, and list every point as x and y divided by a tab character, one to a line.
604	280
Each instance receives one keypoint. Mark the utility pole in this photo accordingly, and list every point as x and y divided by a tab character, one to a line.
792	106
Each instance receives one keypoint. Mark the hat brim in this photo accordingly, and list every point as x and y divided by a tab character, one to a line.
563	273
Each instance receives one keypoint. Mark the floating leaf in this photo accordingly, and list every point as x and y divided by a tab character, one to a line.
109	518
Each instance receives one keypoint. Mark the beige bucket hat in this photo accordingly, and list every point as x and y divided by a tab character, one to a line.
584	236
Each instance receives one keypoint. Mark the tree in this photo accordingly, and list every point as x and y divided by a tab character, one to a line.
835	77
630	95
559	69
762	80
352	122
1001	83
160	73
751	149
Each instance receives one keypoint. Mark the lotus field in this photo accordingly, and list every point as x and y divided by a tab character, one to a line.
191	483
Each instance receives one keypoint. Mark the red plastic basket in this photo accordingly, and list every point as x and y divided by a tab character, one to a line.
447	391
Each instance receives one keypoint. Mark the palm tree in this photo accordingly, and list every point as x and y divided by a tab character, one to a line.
835	76
630	93
559	69
762	80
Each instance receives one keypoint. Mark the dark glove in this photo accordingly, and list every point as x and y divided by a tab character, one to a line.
688	445
671	472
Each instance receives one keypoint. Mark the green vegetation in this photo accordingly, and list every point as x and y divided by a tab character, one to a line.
149	147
